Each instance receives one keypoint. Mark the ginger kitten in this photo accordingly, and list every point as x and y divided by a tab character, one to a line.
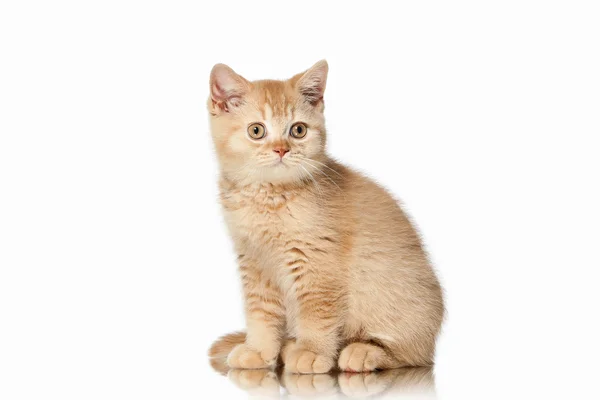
333	272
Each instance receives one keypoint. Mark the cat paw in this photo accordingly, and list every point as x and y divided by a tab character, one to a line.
301	361
245	358
361	357
361	385
309	385
257	382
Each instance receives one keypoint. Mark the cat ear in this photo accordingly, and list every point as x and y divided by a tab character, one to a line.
311	84
227	88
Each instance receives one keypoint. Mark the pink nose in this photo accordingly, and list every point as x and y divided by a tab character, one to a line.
281	151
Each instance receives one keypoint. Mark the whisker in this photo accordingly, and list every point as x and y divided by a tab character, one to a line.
326	166
324	174
313	179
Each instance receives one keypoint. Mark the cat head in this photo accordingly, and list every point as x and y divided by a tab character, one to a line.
268	131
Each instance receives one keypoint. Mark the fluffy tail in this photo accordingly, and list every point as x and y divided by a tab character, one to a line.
223	346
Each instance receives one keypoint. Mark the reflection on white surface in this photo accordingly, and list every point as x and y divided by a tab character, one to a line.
413	383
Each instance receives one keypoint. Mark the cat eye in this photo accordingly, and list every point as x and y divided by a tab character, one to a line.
298	130
256	131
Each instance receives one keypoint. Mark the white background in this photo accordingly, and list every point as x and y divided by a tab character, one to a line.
116	272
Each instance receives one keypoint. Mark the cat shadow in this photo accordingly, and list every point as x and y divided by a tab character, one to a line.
413	383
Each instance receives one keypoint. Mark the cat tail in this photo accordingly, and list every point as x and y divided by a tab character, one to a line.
223	345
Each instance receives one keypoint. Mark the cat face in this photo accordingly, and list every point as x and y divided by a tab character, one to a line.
268	131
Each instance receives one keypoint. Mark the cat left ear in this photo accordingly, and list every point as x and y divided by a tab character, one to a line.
311	84
227	88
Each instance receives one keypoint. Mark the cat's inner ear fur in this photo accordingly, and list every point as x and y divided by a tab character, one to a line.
311	84
227	89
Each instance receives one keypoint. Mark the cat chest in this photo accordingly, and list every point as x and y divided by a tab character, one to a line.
263	230
266	231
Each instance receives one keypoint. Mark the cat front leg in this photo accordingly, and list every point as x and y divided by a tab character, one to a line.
265	320
317	294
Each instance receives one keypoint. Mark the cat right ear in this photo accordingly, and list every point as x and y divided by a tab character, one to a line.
227	88
311	83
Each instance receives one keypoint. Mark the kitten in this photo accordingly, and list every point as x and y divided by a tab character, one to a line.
332	269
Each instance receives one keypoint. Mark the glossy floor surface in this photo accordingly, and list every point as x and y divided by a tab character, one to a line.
414	383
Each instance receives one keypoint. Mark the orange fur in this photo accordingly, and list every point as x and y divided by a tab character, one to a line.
327	257
223	346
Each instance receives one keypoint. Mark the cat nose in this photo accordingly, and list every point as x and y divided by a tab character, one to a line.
281	151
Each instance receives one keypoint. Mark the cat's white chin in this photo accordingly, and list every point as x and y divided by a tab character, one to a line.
277	174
